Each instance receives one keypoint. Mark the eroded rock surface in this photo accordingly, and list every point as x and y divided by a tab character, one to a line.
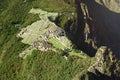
113	5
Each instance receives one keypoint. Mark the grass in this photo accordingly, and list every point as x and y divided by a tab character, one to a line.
52	66
79	54
53	6
56	43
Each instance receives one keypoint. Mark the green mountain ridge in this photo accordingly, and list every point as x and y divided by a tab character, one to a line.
37	43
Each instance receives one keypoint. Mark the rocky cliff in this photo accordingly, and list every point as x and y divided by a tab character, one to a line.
97	25
113	5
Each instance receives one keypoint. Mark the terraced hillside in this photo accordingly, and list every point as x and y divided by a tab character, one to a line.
43	34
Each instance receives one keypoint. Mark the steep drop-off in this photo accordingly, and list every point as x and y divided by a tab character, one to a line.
96	25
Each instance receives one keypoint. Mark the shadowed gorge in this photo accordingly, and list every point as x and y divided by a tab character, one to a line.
104	27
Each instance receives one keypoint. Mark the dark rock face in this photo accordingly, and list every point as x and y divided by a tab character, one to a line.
104	27
113	5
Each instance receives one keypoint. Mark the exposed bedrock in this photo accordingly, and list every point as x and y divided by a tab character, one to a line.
103	27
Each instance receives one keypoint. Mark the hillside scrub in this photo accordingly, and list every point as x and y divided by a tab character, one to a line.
39	65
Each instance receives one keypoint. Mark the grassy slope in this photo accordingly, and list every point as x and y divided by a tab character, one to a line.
40	65
54	5
50	66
